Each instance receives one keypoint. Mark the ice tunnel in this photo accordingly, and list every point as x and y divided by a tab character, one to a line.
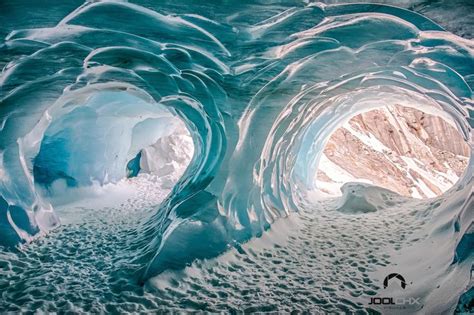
204	127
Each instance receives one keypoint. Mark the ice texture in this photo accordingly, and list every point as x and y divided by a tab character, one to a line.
259	93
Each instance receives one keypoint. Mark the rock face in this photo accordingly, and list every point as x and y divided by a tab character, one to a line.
399	148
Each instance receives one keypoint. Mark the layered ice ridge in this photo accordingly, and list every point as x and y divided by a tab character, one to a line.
81	99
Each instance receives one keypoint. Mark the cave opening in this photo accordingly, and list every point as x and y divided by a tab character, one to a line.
409	151
112	139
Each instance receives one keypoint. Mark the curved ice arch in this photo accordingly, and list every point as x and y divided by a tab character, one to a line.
78	61
253	147
304	89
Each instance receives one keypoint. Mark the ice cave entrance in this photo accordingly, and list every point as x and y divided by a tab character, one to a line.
114	138
400	148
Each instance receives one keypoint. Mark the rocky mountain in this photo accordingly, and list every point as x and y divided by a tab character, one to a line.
399	148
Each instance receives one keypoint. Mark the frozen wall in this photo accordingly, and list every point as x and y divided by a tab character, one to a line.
259	99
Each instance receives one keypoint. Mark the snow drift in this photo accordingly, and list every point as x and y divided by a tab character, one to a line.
80	100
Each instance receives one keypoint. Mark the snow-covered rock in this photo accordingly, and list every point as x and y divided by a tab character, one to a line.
400	148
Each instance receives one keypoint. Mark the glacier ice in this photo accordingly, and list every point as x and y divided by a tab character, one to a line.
241	108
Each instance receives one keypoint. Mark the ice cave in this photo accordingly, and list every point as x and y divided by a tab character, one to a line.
261	156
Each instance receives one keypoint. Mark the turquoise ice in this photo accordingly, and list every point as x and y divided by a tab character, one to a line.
259	89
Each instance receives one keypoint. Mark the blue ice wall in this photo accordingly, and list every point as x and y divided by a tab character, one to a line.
259	95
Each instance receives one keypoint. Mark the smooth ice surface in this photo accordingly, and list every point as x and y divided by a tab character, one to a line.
259	87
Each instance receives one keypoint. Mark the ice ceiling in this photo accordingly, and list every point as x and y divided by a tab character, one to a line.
80	100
